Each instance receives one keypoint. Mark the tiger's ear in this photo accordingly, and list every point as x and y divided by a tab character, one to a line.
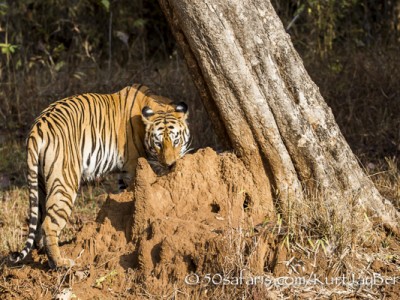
147	112
182	109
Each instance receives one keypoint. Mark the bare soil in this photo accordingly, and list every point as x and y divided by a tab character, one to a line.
206	216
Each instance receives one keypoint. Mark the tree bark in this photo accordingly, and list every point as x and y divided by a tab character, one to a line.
259	96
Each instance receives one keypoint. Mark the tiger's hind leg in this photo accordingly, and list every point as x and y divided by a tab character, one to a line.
58	210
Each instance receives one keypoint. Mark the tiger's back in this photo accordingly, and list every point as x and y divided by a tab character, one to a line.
87	136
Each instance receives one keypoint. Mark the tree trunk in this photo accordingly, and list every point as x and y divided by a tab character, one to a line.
259	96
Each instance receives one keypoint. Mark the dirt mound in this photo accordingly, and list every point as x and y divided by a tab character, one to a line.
173	225
181	220
191	220
207	216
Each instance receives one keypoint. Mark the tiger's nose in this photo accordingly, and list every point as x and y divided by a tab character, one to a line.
170	166
170	162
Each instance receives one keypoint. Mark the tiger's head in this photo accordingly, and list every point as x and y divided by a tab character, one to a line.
167	136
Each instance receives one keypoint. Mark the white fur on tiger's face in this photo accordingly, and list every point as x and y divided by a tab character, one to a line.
87	136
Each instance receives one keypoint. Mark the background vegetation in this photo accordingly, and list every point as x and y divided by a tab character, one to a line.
55	48
51	49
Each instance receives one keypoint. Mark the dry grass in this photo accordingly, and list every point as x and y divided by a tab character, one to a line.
265	251
386	177
13	213
291	270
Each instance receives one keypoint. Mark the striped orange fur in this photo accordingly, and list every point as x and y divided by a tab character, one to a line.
86	136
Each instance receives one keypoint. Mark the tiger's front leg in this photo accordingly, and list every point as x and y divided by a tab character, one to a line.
127	174
125	181
122	182
58	210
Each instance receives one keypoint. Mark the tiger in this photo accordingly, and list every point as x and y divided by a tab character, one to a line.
86	136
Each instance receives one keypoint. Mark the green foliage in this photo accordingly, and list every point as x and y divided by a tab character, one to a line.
55	33
139	23
7	48
3	8
106	4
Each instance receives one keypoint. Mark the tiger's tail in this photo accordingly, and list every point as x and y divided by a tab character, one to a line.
33	181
